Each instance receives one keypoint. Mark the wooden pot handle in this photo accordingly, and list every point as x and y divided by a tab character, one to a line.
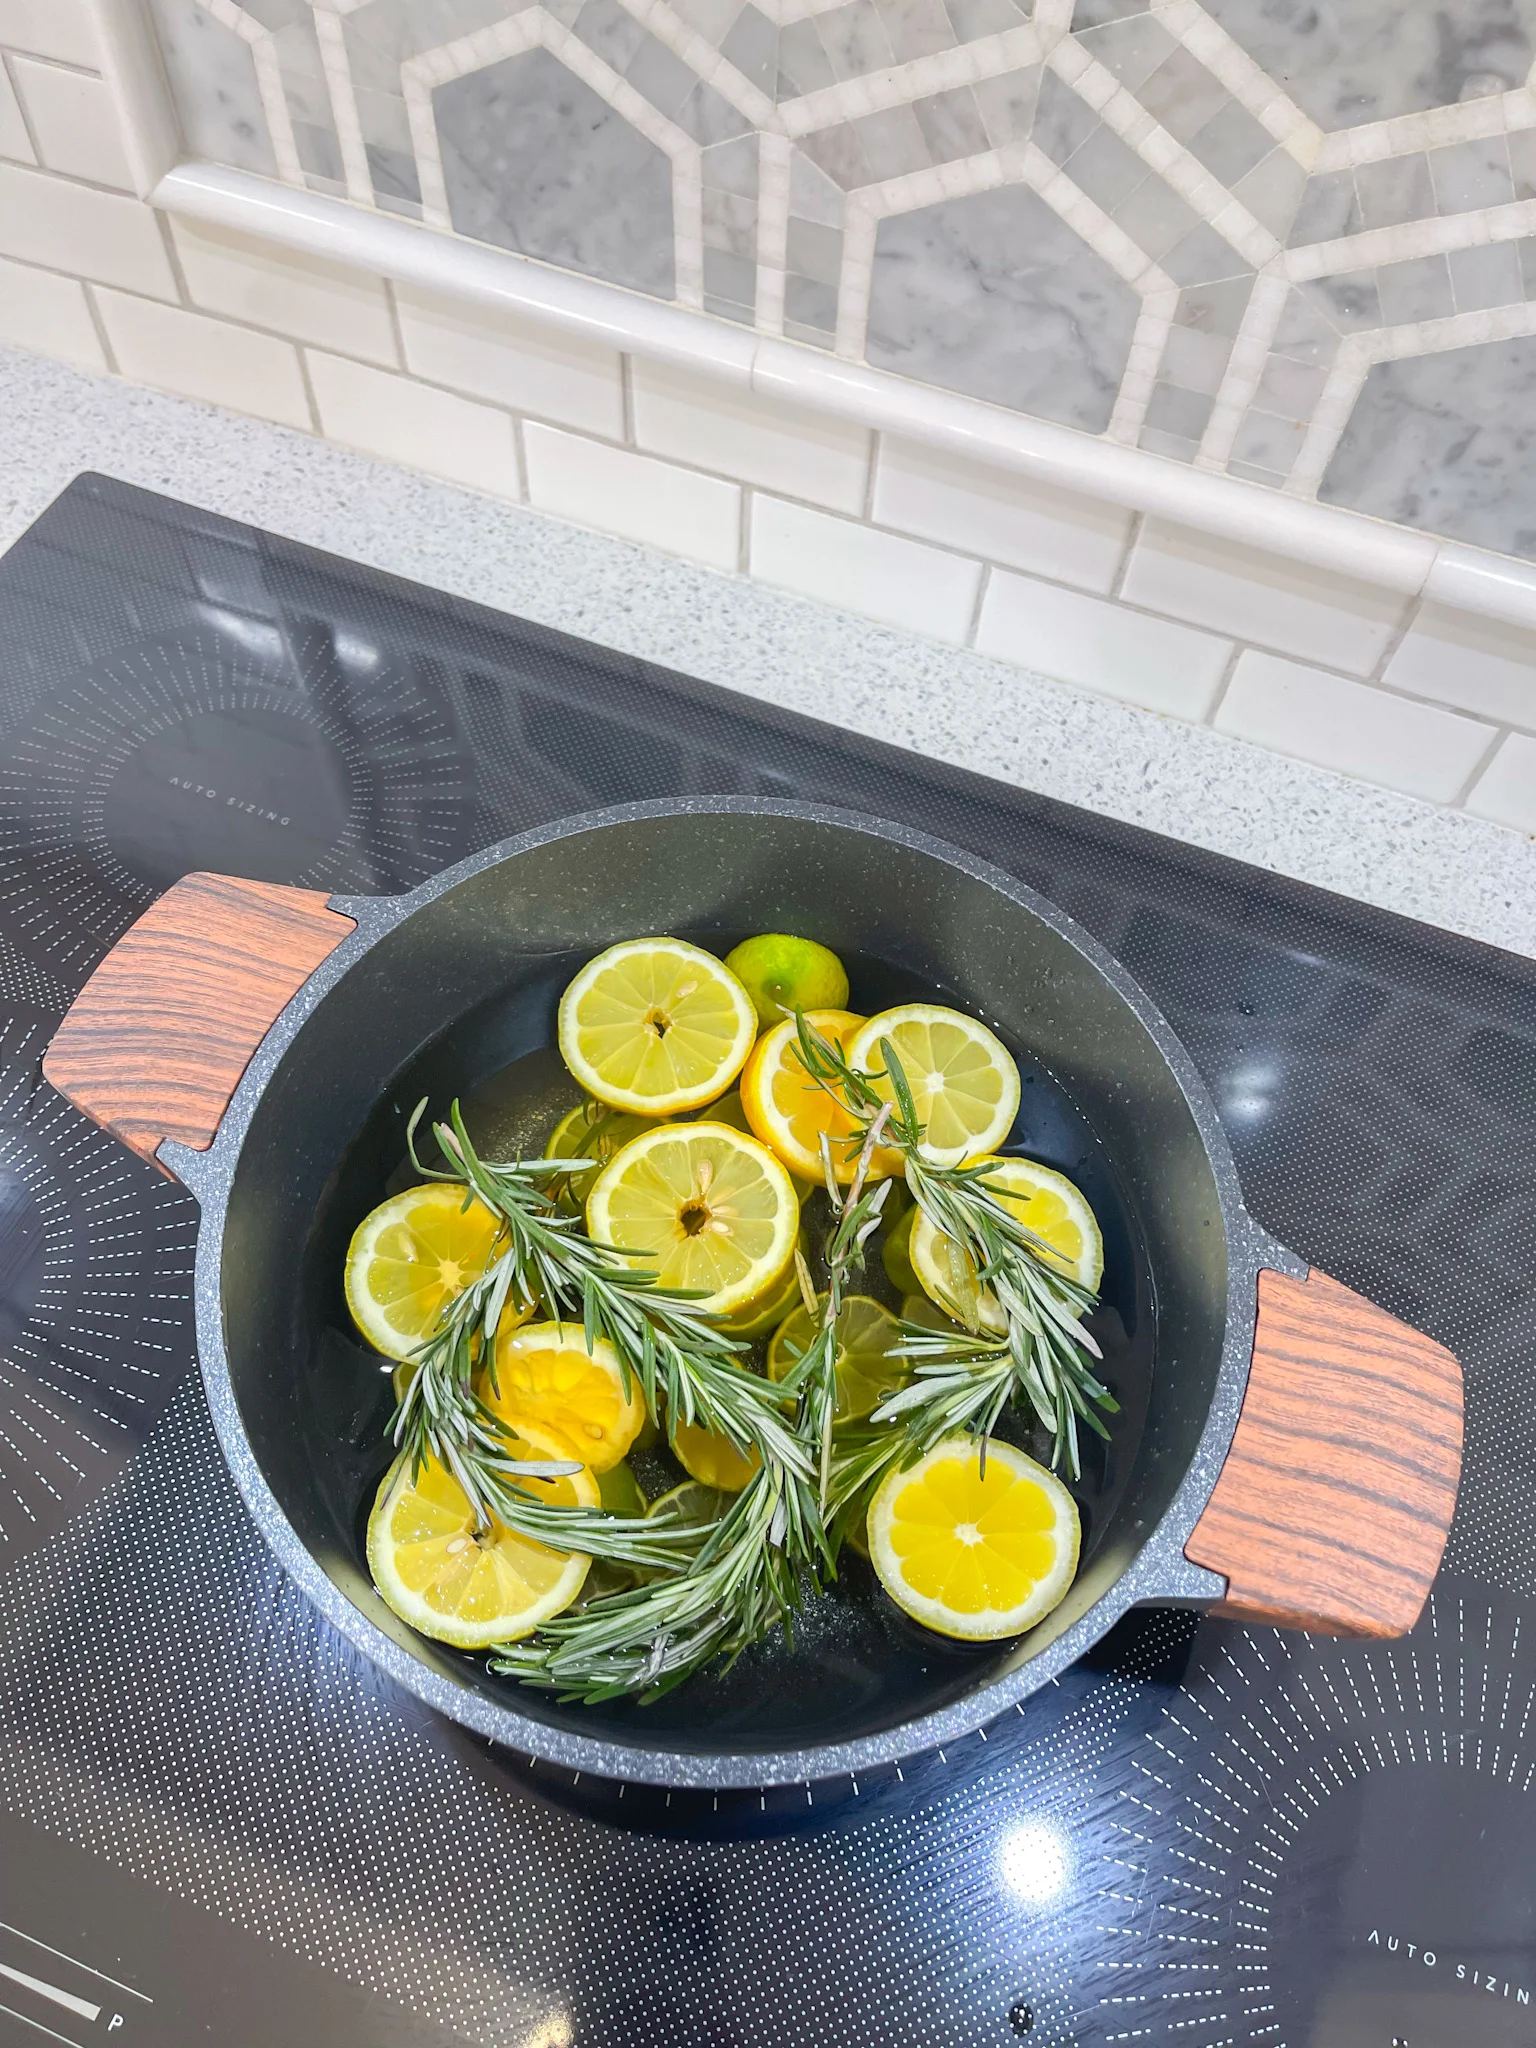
1333	1507
155	1043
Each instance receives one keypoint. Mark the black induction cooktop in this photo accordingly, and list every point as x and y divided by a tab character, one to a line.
217	1825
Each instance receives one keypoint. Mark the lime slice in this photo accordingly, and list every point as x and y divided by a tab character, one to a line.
866	1372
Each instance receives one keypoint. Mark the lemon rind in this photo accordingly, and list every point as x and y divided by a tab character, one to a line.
728	1301
991	1624
863	1051
631	1099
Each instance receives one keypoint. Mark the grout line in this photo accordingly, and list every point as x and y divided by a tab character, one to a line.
55	63
310	399
520	456
973	625
396	326
627	402
876	455
173	260
1123	566
1479	769
744	534
1239	650
1395	639
100	326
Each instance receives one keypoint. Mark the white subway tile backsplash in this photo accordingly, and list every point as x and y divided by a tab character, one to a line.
863	570
775	446
98	235
74	122
47	313
204	359
410	423
301	296
634	496
1255	596
533	370
1506	789
62	29
1478	664
1102	646
14	140
1005	518
1337	723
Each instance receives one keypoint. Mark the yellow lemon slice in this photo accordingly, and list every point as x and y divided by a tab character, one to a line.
1045	1202
962	1076
547	1379
466	1586
710	1208
969	1553
409	1258
866	1372
592	1131
789	1111
655	1026
712	1459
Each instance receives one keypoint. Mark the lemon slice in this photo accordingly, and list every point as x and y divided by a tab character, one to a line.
713	1460
710	1208
693	1504
962	1076
1045	1202
969	1553
592	1131
789	1111
866	1372
409	1258
547	1379
466	1586
655	1026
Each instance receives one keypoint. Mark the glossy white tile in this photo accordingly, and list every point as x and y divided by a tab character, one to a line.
42	311
1338	723
1102	646
1256	596
98	235
73	121
999	515
15	142
513	362
62	29
203	358
759	441
1506	790
634	496
301	296
861	570
410	423
1479	665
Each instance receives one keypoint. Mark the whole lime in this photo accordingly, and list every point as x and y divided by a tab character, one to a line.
783	974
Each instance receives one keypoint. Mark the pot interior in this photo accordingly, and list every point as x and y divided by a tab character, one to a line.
460	999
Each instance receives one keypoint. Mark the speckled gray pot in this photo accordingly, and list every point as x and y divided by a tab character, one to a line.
318	1113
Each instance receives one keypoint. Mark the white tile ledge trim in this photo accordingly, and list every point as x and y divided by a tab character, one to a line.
1393	557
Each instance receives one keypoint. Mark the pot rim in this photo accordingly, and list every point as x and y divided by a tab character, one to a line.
1157	1572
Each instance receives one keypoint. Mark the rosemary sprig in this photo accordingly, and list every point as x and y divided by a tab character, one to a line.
747	1577
968	1380
661	1335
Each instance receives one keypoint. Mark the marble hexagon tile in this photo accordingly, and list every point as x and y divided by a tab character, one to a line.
1291	243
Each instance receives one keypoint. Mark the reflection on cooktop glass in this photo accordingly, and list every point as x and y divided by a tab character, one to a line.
217	1823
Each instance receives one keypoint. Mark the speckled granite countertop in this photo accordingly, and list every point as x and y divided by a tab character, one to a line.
1189	782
